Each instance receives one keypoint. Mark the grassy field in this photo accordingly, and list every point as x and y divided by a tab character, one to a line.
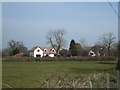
34	74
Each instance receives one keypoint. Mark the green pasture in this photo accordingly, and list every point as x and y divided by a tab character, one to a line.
33	74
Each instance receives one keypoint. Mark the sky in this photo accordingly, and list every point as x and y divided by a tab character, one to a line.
29	22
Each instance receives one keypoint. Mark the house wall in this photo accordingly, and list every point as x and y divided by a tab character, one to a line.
51	55
36	52
45	55
91	53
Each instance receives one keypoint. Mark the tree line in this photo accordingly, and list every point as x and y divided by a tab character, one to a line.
15	47
106	45
56	39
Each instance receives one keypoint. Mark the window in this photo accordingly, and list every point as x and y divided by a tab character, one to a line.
45	50
38	55
38	50
91	53
53	50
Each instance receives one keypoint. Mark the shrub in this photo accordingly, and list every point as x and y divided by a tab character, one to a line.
75	58
95	80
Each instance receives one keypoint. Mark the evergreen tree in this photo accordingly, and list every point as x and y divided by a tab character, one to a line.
78	49
75	48
72	47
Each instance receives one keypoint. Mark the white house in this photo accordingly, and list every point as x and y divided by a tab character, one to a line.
96	50
91	53
42	52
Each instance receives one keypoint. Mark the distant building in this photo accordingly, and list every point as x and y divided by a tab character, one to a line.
92	53
97	50
42	52
19	55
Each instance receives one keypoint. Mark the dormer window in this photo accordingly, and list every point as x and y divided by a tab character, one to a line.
53	50
45	50
38	50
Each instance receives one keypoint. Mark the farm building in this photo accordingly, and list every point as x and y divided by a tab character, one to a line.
42	52
19	55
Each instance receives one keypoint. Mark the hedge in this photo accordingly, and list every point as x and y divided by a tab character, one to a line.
76	58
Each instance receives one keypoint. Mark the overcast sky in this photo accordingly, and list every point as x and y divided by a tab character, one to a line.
29	22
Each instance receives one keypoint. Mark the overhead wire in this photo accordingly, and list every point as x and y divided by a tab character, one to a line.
112	8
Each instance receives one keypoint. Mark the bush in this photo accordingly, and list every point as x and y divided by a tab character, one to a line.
95	80
75	58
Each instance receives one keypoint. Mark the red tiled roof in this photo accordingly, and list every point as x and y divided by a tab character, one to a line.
19	55
33	49
49	51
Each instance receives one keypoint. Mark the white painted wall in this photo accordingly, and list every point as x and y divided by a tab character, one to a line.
45	55
38	53
51	55
93	53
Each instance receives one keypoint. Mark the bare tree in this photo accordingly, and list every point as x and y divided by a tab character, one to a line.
16	47
56	39
83	43
107	41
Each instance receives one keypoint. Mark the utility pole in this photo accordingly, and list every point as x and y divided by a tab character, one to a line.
118	61
118	72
